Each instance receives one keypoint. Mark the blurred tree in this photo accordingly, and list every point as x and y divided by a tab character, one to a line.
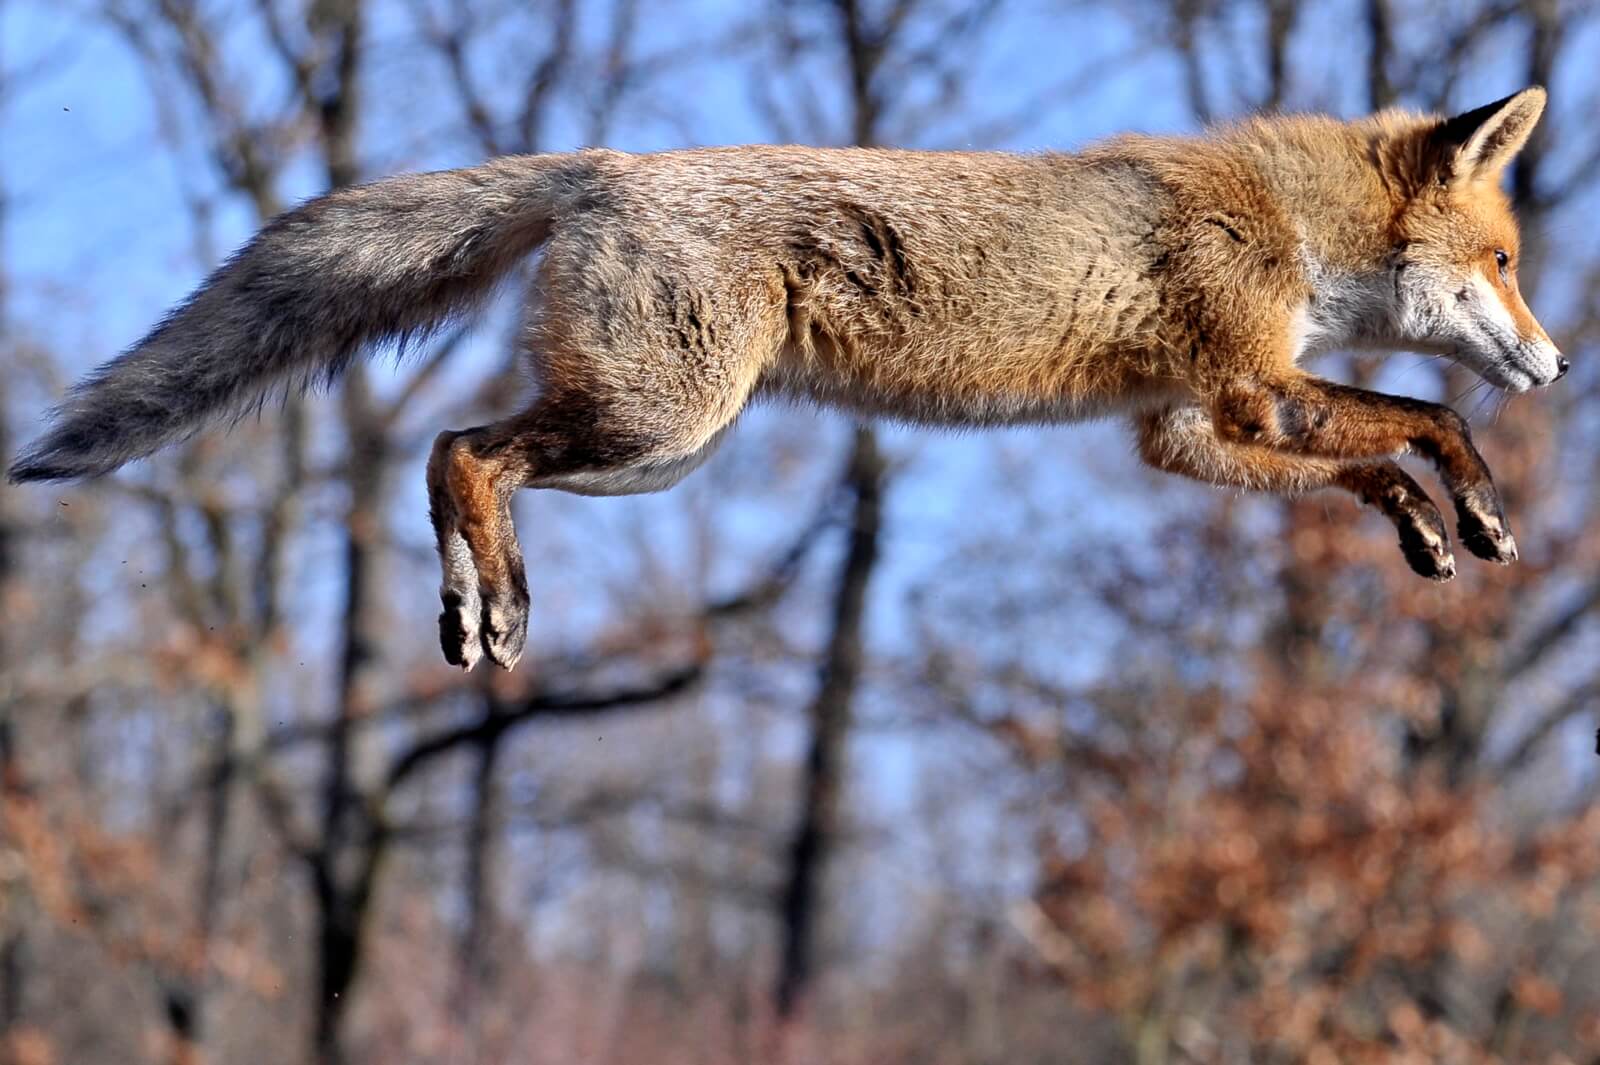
1152	774
1313	814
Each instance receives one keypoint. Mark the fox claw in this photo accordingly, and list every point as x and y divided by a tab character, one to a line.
1436	566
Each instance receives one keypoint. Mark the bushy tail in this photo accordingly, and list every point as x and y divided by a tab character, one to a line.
317	286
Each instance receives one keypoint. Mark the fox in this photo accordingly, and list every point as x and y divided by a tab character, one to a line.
1177	282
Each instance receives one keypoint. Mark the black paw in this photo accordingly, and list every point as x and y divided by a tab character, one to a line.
458	630
1484	532
1426	546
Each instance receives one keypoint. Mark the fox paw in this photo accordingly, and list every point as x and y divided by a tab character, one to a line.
1484	532
1426	546
504	627
458	629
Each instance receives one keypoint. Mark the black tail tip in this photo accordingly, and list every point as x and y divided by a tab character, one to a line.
30	468
24	472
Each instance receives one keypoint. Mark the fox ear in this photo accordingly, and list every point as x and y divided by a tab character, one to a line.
1479	143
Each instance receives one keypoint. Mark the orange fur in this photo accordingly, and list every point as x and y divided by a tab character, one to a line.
1181	282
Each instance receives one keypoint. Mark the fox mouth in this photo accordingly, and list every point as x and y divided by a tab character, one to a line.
1507	376
1504	375
1512	379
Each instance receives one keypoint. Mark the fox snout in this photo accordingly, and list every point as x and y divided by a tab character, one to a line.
1536	354
1530	365
1490	329
1561	364
1552	357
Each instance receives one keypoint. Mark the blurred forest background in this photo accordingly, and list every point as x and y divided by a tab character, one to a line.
864	745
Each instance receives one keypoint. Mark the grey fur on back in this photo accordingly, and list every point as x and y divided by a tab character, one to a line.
316	287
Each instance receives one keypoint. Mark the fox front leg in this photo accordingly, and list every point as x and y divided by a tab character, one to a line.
1184	441
1312	417
1423	540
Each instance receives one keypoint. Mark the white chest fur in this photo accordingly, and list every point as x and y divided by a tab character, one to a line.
1345	310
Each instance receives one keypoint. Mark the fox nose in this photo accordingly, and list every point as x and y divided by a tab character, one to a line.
1562	366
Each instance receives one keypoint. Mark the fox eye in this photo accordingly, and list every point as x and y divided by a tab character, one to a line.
1504	262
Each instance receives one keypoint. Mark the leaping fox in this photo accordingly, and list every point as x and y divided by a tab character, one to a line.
1178	282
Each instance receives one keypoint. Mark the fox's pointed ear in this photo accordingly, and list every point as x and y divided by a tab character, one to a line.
1479	143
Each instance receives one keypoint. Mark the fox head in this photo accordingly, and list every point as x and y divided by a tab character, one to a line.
1454	249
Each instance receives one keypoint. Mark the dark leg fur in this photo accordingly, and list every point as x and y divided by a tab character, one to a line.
1184	441
1321	419
1423	539
485	592
459	622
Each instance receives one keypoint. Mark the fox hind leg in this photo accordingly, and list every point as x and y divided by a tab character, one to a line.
573	444
637	391
458	592
484	593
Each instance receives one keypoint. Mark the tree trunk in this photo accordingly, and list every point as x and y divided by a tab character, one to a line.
830	716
